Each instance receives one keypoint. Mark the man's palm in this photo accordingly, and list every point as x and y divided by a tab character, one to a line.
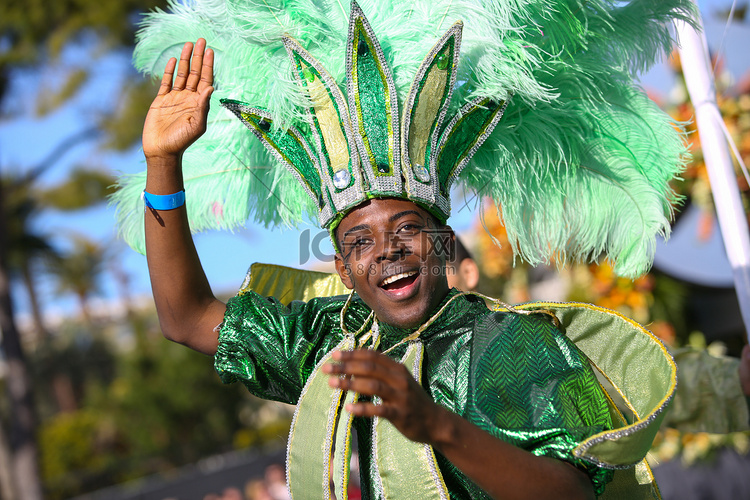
178	115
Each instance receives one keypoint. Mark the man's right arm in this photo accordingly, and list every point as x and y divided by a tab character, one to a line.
187	308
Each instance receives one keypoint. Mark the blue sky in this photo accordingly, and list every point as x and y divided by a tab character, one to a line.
26	139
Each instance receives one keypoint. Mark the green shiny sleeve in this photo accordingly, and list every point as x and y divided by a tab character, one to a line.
709	397
531	387
272	348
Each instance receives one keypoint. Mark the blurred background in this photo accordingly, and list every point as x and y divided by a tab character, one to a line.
111	410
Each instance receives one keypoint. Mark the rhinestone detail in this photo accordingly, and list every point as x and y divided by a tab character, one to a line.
341	179
443	61
362	48
421	172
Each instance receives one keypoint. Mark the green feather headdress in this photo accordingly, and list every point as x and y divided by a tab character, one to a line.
575	154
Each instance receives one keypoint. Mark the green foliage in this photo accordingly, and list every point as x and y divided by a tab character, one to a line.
83	188
125	126
32	29
33	34
180	405
20	205
79	354
69	443
51	99
80	270
670	303
146	410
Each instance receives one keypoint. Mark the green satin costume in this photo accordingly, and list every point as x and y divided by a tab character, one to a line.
472	361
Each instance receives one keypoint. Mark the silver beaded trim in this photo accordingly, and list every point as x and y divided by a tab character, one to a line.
237	108
355	194
437	477
344	465
580	450
430	192
477	143
374	453
377	183
329	426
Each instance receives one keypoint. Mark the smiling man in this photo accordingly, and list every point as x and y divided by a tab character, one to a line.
389	257
451	396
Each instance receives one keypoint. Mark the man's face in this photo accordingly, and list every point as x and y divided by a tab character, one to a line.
393	255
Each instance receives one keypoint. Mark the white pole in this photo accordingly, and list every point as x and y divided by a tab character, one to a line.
696	67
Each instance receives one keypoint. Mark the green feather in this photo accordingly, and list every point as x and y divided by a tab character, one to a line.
579	163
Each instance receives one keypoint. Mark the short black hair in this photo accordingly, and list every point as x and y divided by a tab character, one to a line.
460	255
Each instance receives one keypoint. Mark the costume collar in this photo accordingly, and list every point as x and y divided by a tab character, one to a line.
450	308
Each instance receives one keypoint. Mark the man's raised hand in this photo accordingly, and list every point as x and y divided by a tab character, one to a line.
178	115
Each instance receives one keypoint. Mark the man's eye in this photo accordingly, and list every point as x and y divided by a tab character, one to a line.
410	228
359	242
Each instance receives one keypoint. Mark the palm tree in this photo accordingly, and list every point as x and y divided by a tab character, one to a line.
32	36
79	272
23	415
26	249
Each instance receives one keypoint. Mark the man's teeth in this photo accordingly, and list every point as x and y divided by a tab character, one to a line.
397	277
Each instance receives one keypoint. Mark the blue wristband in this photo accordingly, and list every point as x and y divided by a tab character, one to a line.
164	201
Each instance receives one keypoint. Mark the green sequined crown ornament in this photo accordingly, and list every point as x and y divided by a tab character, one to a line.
532	104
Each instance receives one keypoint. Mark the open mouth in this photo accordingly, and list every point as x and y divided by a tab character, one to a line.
399	281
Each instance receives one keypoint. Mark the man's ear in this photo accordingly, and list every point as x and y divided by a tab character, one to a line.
469	272
445	228
345	273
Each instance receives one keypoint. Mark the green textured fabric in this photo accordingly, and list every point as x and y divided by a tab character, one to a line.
442	93
637	366
709	397
309	457
556	405
273	349
405	466
304	69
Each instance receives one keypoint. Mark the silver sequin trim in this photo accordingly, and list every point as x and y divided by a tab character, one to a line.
237	108
376	183
429	193
331	418
437	477
477	144
629	430
354	194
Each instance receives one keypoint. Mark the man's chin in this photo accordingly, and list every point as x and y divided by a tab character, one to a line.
405	317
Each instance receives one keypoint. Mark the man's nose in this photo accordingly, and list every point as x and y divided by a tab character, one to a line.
391	247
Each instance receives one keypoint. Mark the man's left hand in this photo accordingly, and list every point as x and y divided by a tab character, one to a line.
404	402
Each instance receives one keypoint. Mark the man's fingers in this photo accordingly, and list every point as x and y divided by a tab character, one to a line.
206	96
395	375
360	368
207	71
367	410
373	359
183	67
364	385
166	79
196	65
